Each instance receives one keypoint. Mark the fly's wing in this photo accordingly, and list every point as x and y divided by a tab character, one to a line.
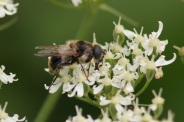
56	50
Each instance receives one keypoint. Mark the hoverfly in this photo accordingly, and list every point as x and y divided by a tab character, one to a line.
76	51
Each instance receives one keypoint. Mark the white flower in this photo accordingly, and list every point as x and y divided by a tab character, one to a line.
105	117
76	2
79	117
7	7
158	99
63	80
118	100
129	116
6	78
147	64
152	42
120	29
170	117
128	88
54	87
4	117
78	80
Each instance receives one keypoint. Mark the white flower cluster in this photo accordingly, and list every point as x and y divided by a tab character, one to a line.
7	7
122	68
117	69
6	78
136	113
4	117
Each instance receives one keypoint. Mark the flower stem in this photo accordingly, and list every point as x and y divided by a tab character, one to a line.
48	106
86	23
88	100
8	24
113	11
141	75
143	88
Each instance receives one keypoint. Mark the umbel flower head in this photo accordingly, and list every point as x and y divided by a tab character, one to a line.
6	78
4	117
112	85
117	71
136	113
7	7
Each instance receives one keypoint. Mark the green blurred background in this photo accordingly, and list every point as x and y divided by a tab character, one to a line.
42	23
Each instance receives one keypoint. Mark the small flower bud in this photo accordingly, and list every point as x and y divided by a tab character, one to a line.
118	34
180	52
159	73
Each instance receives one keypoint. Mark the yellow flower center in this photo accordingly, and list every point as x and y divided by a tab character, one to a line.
115	100
81	78
129	76
119	28
139	39
3	115
153	42
65	78
151	65
106	81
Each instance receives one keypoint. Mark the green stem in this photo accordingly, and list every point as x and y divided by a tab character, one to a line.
48	106
8	24
88	100
143	88
86	23
113	11
141	75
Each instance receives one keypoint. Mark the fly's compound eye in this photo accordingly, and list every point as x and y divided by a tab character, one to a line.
98	53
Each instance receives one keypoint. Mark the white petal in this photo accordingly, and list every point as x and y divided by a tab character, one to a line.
119	108
128	88
162	62
97	89
103	101
129	34
67	87
117	56
79	89
161	46
16	118
90	81
153	107
46	69
133	67
160	27
3	67
76	2
54	87
125	101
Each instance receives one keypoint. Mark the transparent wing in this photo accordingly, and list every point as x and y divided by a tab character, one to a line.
55	50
